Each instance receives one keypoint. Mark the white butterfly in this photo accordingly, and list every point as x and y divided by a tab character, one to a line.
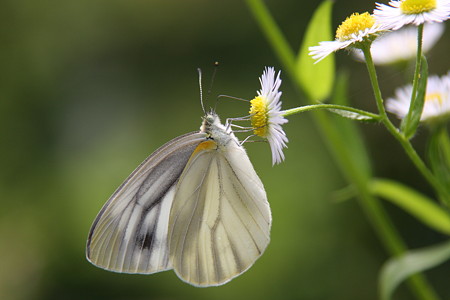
196	205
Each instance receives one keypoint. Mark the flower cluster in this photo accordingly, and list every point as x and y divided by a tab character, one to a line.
361	29
358	32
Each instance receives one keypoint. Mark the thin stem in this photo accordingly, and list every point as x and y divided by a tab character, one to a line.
418	162
293	111
404	142
373	79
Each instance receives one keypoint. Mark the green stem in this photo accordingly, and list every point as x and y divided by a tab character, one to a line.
370	205
376	88
293	111
404	142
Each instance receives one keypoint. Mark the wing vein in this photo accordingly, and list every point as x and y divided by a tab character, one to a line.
248	194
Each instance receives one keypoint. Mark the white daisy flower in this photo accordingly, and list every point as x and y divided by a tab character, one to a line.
437	99
355	29
401	45
266	116
402	12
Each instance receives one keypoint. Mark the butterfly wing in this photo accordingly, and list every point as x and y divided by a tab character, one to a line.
130	232
220	218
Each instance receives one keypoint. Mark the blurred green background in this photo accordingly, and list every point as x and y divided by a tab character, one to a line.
88	89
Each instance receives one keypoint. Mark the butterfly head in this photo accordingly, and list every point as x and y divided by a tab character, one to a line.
215	130
210	121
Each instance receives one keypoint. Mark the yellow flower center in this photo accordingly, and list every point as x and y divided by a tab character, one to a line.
414	7
434	97
259	118
353	24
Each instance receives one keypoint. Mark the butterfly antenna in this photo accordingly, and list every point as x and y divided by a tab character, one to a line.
201	89
216	66
232	97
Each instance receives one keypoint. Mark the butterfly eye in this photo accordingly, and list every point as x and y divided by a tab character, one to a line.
209	119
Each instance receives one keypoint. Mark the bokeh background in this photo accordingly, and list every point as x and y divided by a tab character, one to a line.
88	89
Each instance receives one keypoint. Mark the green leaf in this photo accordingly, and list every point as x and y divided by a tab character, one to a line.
317	79
438	153
418	205
396	270
412	119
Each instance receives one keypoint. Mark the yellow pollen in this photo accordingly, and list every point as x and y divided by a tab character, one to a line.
434	97
414	7
353	24
259	118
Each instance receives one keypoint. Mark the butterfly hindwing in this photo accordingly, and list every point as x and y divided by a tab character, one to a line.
219	228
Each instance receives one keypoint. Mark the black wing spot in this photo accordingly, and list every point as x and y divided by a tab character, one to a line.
147	240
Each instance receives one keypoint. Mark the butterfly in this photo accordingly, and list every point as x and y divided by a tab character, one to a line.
196	205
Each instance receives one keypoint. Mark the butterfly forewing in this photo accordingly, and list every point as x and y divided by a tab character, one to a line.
219	228
130	232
